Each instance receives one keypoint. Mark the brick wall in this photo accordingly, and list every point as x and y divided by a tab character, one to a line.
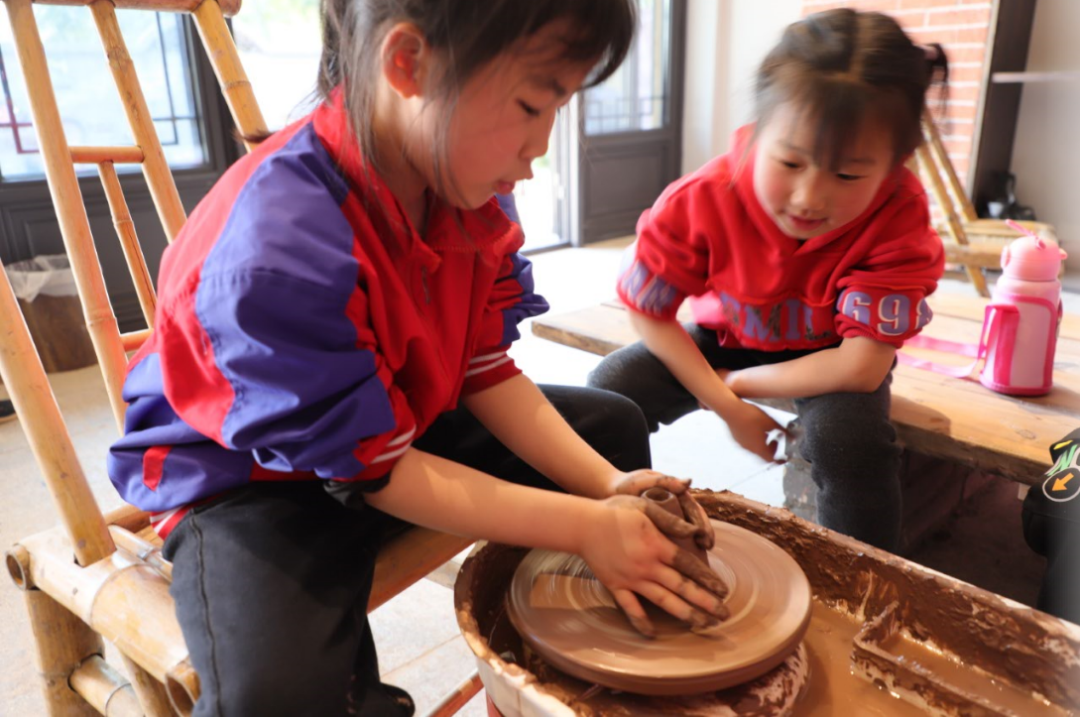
962	27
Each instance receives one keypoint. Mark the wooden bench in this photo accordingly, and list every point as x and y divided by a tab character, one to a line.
953	419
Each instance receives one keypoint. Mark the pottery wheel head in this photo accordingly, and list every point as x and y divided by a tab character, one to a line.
571	620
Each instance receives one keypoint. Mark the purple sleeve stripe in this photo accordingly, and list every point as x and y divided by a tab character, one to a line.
647	292
529	303
305	395
290	207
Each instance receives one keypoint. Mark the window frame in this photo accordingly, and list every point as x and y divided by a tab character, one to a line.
220	144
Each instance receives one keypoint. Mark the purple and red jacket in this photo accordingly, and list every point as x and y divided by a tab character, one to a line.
305	331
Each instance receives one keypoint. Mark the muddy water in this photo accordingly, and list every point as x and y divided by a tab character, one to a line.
833	689
996	692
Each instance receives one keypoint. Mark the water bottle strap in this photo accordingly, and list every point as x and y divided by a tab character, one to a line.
993	320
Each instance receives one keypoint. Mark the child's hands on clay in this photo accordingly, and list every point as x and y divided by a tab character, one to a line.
639	481
627	550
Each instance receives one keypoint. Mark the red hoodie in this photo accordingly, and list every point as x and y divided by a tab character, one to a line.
305	331
709	238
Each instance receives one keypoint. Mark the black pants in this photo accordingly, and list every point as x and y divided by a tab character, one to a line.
271	581
1051	519
848	439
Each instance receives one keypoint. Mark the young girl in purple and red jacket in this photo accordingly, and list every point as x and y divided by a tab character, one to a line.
808	254
330	350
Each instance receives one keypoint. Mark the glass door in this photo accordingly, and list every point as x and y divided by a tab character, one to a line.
630	128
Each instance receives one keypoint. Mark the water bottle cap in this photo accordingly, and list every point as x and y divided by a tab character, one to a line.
1031	257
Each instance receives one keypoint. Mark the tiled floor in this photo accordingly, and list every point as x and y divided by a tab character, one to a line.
420	648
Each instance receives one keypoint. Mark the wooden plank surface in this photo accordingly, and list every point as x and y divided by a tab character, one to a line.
936	415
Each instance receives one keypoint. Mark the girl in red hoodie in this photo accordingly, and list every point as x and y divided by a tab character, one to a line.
808	254
330	356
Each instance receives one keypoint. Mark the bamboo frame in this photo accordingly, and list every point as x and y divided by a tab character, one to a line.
151	697
939	161
129	241
105	689
107	595
228	7
133	340
145	551
154	165
953	226
976	243
230	73
67	198
182	685
97	155
63	643
129	518
28	386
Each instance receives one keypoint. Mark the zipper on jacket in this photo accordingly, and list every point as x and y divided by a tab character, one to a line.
424	284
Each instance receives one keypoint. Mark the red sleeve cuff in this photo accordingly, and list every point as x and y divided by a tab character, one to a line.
489	369
379	454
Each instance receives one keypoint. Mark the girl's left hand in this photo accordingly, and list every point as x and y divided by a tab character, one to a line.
637	482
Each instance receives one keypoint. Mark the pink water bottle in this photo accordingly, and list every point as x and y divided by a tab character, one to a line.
1023	318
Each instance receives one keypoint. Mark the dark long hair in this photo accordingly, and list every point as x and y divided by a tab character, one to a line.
840	67
470	33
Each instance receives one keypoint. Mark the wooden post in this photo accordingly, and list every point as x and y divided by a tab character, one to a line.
63	642
151	694
105	689
25	379
146	552
155	167
125	601
182	684
133	340
97	155
953	225
128	517
230	73
68	201
229	7
941	157
129	241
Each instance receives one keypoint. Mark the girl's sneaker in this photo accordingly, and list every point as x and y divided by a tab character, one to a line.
7	411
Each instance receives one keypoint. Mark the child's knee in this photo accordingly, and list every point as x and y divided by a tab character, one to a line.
609	376
625	415
616	428
851	440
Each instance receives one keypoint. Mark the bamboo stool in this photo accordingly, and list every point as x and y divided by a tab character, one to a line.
96	577
971	242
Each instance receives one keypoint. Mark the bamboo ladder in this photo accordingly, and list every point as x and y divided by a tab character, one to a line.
972	242
98	577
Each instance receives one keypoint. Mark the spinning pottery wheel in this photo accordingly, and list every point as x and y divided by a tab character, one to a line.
567	617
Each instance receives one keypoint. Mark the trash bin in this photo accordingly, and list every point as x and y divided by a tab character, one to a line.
45	288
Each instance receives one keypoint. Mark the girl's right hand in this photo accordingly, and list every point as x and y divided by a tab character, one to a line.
626	548
750	427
